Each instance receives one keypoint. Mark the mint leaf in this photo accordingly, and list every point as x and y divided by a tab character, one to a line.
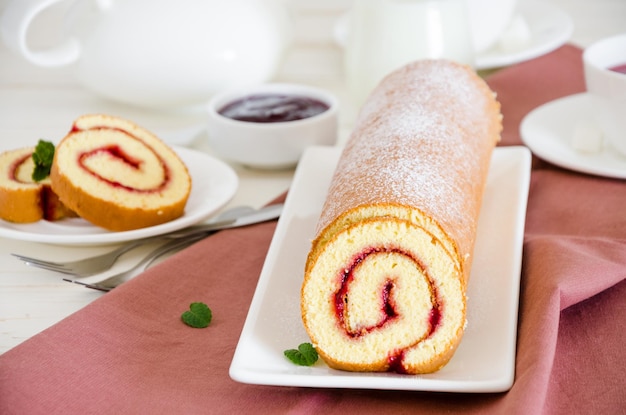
198	316
305	355
42	156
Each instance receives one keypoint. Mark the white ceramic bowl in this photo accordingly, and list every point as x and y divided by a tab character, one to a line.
270	145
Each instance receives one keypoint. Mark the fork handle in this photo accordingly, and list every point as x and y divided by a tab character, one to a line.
194	232
145	262
131	245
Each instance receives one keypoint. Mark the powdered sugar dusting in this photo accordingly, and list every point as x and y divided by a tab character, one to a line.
424	138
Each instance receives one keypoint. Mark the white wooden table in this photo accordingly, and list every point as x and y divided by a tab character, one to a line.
38	103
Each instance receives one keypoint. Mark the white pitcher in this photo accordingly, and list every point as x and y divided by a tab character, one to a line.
159	53
386	34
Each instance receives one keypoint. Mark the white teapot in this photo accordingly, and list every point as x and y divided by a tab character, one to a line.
159	53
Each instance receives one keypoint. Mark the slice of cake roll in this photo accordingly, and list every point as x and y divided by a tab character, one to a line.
118	175
385	281
22	199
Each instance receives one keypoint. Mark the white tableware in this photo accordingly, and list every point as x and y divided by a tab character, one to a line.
549	28
607	87
386	34
488	20
158	53
270	145
549	131
485	359
214	183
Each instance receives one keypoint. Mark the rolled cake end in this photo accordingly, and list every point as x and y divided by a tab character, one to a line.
118	175
385	280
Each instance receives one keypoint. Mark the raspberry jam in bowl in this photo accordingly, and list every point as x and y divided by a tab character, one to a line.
273	108
268	126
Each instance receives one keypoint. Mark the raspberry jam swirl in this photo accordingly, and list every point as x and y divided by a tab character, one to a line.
379	297
378	303
387	308
125	162
15	170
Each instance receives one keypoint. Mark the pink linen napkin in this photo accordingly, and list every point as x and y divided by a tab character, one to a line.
128	352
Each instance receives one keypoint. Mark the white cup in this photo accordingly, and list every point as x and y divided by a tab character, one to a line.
386	34
607	87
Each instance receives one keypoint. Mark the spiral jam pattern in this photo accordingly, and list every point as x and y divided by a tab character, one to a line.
376	303
118	175
143	172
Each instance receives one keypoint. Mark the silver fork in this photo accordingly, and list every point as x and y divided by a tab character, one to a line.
96	264
107	281
99	263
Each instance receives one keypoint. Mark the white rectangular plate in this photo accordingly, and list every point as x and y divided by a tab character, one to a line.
485	359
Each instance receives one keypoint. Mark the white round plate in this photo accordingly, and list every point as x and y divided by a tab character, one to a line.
214	183
549	28
548	131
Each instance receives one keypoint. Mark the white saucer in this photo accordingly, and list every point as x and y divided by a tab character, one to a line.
548	132
549	28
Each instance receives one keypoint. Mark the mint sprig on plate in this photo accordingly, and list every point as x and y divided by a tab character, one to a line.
305	355
42	156
198	316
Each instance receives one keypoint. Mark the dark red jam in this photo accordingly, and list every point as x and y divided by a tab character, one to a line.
389	312
435	319
269	108
619	68
15	167
387	306
395	363
117	152
341	297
